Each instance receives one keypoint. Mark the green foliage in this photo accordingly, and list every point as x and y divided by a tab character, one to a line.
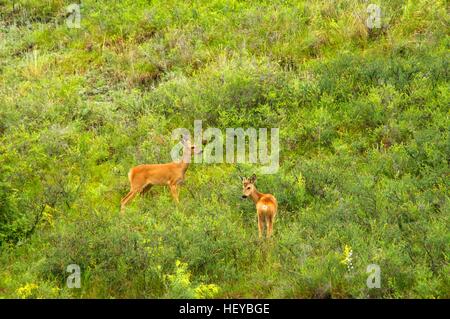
364	135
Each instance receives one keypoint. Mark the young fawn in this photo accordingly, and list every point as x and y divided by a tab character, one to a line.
266	205
143	177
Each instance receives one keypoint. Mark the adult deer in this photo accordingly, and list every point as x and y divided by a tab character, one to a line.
266	205
143	177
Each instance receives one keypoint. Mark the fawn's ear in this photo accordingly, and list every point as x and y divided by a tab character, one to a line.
242	179
253	178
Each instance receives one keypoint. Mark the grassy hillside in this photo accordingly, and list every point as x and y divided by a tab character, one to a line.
364	135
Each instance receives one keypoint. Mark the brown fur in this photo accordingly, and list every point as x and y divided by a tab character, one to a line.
143	177
266	205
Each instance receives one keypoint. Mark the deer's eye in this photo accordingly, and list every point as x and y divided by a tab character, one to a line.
248	187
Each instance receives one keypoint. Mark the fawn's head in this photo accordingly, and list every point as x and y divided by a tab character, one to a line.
248	186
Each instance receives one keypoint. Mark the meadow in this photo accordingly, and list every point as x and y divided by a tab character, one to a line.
363	115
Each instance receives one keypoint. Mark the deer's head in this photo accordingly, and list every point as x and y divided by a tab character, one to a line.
191	148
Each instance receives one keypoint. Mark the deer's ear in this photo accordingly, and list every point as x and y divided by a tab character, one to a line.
253	178
184	138
242	178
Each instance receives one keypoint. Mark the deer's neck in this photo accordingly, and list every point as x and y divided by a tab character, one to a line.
256	196
184	163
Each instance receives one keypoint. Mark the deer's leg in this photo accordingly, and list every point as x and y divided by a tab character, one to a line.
174	192
146	189
127	199
260	225
126	196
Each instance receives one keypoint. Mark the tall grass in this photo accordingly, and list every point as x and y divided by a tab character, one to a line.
363	118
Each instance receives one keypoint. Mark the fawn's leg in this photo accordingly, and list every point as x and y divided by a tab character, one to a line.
260	225
269	225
